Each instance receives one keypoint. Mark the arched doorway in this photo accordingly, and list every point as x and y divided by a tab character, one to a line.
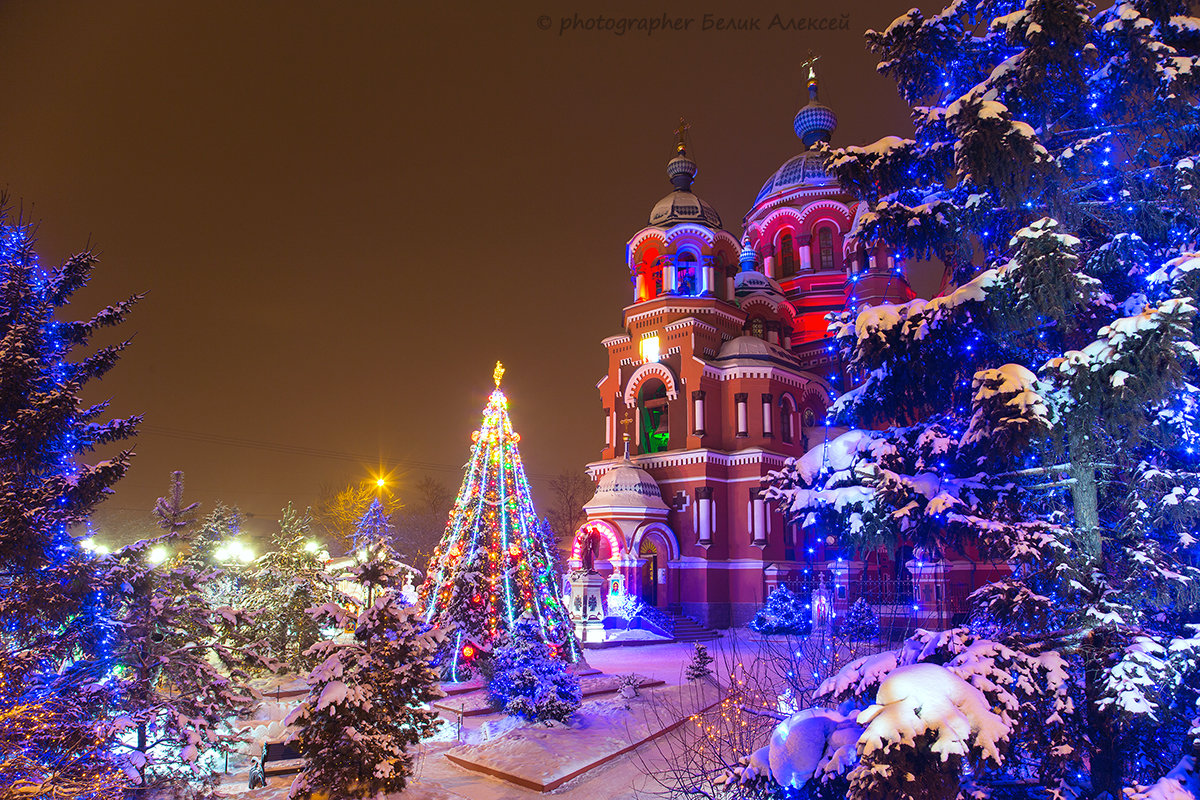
649	559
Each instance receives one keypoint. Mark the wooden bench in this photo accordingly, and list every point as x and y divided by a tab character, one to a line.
286	758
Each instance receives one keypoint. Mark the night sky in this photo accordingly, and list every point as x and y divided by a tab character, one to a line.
344	213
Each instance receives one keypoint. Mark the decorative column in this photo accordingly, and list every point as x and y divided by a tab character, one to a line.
768	431
708	273
670	277
768	255
698	413
705	523
773	332
641	289
608	431
743	423
804	245
758	518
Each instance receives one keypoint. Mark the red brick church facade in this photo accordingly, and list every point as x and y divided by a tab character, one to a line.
720	374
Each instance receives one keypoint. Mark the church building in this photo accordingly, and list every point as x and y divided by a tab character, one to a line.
721	372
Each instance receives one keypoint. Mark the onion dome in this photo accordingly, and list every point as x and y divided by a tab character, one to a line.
748	258
682	205
626	486
816	122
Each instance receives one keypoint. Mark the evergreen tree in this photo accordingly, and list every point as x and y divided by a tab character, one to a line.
286	583
700	667
783	613
528	681
180	666
368	702
54	639
1040	411
493	525
172	515
861	622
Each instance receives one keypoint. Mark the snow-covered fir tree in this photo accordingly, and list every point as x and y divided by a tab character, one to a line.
286	582
180	666
700	667
55	642
171	513
1042	408
782	613
368	702
860	623
530	682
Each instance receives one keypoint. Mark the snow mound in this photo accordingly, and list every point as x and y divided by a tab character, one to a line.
928	698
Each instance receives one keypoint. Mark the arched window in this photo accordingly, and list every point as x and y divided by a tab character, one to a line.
685	273
810	418
787	413
787	256
758	328
654	424
825	247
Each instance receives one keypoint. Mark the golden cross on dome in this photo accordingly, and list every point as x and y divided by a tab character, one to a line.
498	373
811	63
680	132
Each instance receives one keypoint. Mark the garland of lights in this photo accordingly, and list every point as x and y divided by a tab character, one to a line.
494	514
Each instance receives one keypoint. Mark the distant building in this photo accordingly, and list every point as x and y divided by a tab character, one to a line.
721	373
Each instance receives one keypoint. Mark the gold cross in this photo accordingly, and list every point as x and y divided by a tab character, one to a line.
625	423
811	63
679	134
498	373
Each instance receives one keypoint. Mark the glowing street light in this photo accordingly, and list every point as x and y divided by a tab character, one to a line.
157	555
233	552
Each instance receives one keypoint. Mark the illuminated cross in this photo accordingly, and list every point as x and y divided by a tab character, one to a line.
625	423
498	373
679	134
810	62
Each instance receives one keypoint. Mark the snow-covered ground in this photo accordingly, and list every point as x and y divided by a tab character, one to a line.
437	778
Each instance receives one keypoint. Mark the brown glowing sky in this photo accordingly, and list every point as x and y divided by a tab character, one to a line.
345	213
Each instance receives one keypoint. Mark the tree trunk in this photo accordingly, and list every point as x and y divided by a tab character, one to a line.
1102	730
1084	492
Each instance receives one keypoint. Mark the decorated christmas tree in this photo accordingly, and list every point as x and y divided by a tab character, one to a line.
493	565
783	613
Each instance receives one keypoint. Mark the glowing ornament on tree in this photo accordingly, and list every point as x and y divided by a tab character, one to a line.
494	564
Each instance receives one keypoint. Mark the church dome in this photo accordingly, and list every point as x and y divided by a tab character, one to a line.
682	205
814	123
748	282
806	169
755	350
626	486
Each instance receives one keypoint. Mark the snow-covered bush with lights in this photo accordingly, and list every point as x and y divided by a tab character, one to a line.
530	682
860	623
1041	409
783	613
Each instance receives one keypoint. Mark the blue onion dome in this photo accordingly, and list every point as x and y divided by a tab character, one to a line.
816	122
682	205
748	259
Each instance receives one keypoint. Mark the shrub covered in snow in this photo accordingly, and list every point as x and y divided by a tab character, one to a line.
783	613
860	623
528	681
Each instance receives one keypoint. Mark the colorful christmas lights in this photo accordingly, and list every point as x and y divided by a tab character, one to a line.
495	561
